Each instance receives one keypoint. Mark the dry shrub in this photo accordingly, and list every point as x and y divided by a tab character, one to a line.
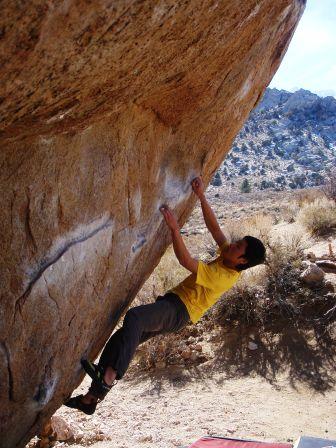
158	352
258	225
201	246
289	211
285	254
319	216
163	350
241	303
286	245
307	196
269	291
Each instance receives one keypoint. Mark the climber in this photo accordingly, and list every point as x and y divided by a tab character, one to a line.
187	301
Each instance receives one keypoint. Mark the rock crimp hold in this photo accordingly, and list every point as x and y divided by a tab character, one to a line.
109	109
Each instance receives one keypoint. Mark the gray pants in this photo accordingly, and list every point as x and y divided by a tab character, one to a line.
167	315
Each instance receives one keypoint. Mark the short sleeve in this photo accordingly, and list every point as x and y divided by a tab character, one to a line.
206	274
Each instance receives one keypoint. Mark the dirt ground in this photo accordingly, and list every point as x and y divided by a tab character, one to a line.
175	408
282	389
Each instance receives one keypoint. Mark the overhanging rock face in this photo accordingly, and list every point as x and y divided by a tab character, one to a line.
108	110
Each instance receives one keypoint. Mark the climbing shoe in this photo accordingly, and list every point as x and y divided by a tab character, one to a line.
94	371
77	403
98	387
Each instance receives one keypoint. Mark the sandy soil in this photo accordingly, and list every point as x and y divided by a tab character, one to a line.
177	407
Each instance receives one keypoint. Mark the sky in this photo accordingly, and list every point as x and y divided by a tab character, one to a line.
310	61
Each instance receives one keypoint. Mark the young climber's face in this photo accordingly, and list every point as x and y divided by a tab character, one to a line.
235	253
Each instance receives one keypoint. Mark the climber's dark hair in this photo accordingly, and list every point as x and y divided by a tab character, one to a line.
254	253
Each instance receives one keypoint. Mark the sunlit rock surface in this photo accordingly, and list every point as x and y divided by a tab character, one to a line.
108	109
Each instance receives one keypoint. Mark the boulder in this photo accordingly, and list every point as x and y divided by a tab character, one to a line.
312	275
109	109
186	353
62	430
252	346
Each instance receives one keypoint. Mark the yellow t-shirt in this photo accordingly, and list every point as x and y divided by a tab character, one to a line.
199	292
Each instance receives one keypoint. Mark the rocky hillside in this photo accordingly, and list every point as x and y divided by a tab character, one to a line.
288	142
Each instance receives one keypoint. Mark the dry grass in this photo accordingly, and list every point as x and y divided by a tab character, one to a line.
289	212
300	198
303	197
319	216
258	225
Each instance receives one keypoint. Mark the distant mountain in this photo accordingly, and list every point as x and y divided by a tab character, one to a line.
288	142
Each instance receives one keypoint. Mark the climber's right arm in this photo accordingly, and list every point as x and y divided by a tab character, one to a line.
208	214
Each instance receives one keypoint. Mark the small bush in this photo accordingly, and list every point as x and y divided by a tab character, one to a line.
241	303
319	216
216	181
159	352
283	286
302	197
181	348
286	246
245	186
168	272
289	212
